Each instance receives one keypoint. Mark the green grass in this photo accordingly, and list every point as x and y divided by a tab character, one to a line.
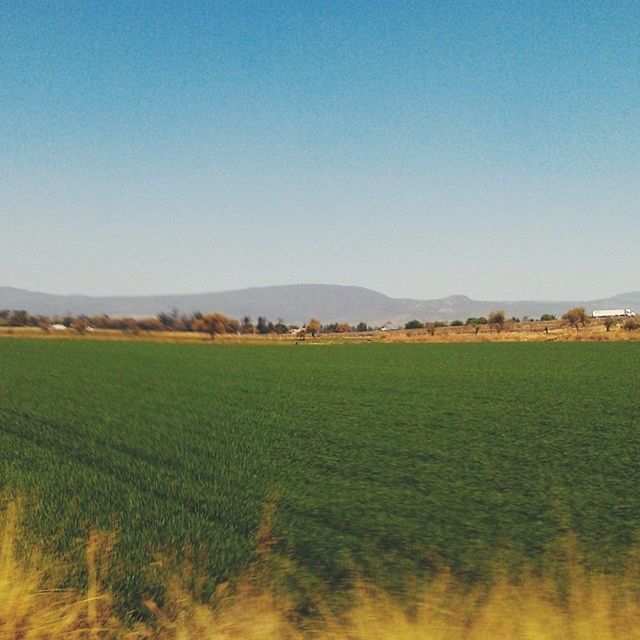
383	457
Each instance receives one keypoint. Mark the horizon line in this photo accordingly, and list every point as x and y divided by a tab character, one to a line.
306	284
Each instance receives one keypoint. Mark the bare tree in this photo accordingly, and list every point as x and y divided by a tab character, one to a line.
496	320
313	326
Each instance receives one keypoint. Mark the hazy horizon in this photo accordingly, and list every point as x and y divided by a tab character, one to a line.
420	151
313	284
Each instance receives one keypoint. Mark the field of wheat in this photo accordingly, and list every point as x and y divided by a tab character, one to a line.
399	467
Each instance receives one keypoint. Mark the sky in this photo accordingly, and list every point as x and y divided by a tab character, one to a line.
417	148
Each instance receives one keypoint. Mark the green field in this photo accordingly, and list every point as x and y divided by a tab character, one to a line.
387	458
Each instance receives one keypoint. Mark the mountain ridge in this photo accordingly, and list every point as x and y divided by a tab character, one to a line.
296	303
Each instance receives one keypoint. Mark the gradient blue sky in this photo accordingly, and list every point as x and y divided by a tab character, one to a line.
418	148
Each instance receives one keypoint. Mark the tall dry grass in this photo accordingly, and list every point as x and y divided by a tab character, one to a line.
523	332
533	607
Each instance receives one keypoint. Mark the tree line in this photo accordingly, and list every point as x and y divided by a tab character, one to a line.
496	321
211	323
219	324
575	317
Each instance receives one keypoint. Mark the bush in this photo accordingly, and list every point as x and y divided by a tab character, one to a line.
456	323
631	324
414	324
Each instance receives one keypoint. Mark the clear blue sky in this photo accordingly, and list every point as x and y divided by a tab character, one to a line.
418	148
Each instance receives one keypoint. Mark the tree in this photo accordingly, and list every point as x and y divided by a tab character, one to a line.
575	317
313	326
546	317
496	320
362	326
608	323
414	324
19	318
168	321
150	324
213	323
262	326
456	323
79	324
631	324
343	327
126	324
281	327
247	326
183	323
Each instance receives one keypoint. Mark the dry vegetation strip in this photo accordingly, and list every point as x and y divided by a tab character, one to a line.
581	606
529	332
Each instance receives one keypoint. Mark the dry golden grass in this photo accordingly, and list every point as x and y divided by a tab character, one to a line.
30	605
593	607
525	332
553	331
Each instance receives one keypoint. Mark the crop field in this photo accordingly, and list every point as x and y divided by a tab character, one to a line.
385	460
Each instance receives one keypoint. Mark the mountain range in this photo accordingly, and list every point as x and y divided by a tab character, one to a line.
297	303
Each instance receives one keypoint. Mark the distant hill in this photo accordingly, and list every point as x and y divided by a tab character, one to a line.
297	303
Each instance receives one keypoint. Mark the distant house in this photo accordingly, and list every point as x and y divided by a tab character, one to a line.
58	327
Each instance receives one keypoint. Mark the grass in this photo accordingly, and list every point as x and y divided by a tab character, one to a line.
587	606
552	331
388	462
